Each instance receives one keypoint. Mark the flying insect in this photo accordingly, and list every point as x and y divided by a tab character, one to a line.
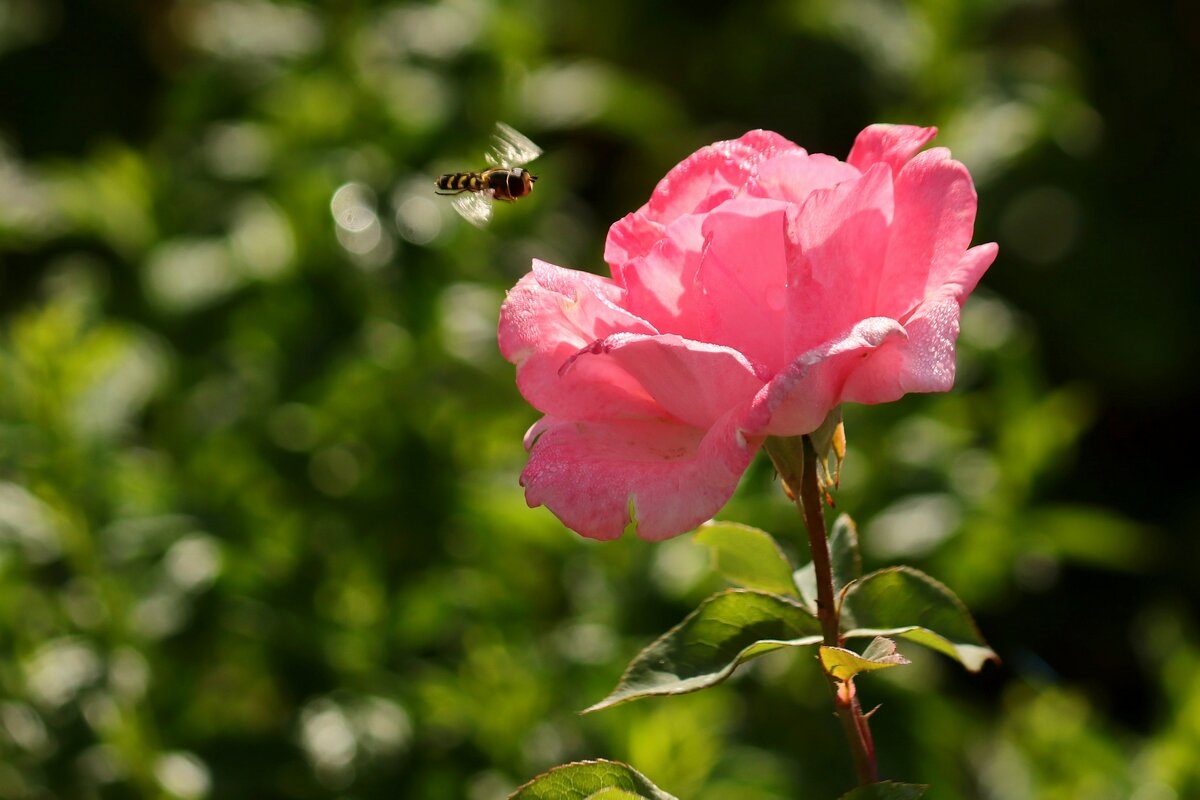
506	179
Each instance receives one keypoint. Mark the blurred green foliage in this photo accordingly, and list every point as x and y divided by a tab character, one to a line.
260	528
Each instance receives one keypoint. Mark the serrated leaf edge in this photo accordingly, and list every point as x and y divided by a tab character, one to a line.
586	763
745	654
977	655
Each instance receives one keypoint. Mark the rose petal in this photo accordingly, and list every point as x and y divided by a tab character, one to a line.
924	360
970	268
890	144
932	228
629	238
700	182
693	381
798	399
661	285
547	317
840	238
713	174
743	270
599	476
571	281
793	176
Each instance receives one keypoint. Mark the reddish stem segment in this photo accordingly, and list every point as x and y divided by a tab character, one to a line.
796	462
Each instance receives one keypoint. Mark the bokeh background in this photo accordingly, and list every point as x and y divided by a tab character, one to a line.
260	528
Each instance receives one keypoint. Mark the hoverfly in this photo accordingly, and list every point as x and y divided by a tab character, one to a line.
505	180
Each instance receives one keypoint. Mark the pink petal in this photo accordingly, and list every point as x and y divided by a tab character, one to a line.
793	176
597	477
935	218
547	317
713	174
693	381
799	398
743	271
970	268
661	284
924	361
891	144
629	238
840	238
702	181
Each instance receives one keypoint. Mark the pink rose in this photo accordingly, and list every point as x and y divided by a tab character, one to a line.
759	288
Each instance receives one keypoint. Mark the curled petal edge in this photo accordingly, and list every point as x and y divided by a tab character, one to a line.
798	399
661	476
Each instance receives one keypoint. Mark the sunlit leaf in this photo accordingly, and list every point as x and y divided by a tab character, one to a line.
904	602
727	629
747	556
590	780
844	664
886	790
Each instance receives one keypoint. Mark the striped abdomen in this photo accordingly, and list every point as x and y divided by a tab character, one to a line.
462	182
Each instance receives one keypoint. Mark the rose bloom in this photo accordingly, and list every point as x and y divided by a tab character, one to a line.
760	287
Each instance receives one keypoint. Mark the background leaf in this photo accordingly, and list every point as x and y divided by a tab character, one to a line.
902	601
726	630
747	556
843	552
805	579
590	780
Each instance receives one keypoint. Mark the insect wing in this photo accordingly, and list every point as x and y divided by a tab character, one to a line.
511	148
474	207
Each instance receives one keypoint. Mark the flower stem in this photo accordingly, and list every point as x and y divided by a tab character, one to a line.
795	459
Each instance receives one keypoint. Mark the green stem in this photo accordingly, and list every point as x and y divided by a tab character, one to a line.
796	462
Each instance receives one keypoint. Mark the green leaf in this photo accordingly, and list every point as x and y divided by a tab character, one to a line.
747	556
590	780
886	790
845	562
905	602
843	552
844	664
805	579
729	628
